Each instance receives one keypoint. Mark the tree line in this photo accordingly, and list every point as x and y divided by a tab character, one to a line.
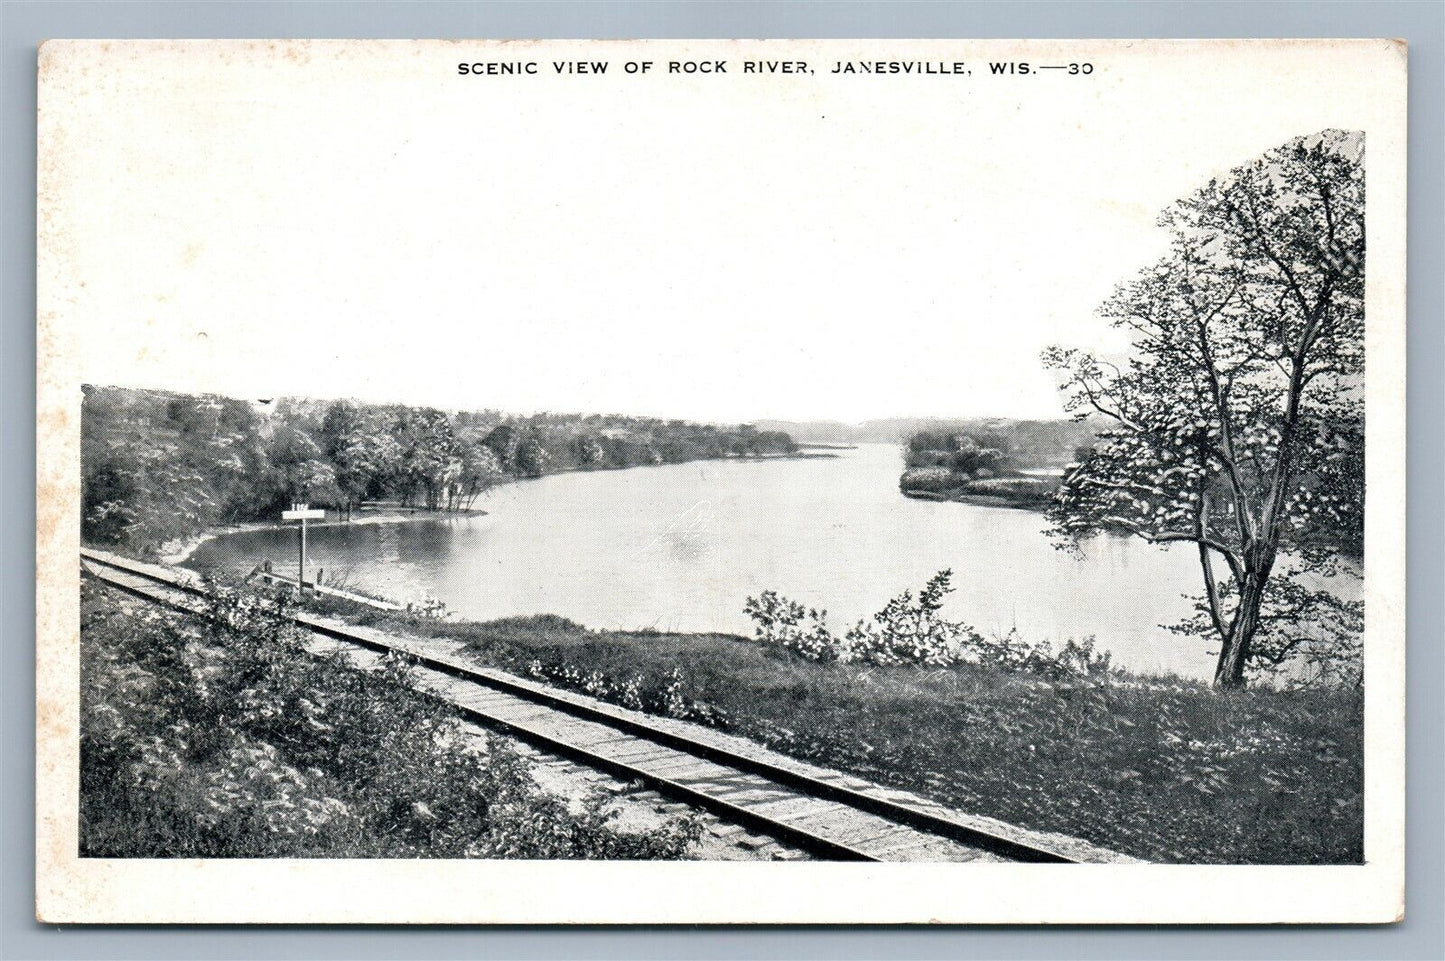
157	465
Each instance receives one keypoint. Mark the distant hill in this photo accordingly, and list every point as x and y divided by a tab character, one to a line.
1035	443
892	430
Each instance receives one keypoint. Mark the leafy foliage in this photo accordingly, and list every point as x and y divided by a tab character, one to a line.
958	452
912	630
222	738
1308	635
982	462
664	694
931	480
157	466
793	627
1236	424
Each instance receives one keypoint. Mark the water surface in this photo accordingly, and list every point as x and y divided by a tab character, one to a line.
679	547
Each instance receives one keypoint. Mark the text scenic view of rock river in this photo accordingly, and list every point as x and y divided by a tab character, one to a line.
679	547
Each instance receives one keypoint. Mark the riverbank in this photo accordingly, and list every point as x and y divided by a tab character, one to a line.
178	551
1165	770
980	500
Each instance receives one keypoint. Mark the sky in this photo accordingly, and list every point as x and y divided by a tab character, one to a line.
364	222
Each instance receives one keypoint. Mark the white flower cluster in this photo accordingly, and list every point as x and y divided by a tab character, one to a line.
670	699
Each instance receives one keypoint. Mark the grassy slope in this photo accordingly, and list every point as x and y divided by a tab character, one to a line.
224	740
1166	771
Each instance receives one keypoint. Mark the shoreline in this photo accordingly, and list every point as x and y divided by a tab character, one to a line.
1121	676
177	552
977	500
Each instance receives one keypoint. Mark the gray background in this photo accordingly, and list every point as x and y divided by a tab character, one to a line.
24	24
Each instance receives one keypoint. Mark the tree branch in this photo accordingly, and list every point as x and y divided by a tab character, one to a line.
1172	537
1211	586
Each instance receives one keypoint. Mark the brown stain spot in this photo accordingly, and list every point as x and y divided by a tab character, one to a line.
45	57
295	52
50	719
191	253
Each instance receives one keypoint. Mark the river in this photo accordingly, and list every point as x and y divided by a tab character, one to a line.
679	547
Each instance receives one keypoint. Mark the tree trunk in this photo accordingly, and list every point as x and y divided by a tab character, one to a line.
1229	672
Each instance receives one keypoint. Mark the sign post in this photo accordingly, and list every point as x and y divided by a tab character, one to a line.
302	513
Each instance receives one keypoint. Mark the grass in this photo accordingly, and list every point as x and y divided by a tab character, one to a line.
1166	770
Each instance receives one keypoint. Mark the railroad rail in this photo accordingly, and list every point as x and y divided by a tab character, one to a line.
826	813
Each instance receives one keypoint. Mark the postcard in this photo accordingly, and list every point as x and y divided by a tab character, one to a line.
847	481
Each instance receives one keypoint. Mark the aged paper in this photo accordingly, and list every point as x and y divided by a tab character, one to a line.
473	477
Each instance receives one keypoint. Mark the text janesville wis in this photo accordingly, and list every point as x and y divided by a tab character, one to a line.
923	68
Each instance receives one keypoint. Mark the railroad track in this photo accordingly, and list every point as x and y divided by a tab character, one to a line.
830	815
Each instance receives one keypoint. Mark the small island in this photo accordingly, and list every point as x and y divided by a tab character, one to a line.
1004	463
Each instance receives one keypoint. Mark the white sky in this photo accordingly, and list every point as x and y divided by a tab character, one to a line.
367	223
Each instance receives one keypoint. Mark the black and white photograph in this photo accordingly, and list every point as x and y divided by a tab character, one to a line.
721	481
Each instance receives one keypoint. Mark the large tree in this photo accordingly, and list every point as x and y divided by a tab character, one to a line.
1236	423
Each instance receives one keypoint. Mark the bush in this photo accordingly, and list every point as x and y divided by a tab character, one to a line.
932	480
907	630
1012	652
912	630
1010	487
780	621
1021	491
222	737
665	695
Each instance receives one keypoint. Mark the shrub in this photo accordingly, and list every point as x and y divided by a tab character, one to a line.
223	737
907	630
933	480
912	630
1028	491
780	621
1010	486
428	608
1012	652
665	695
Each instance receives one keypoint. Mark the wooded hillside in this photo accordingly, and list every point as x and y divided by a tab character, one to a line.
156	466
